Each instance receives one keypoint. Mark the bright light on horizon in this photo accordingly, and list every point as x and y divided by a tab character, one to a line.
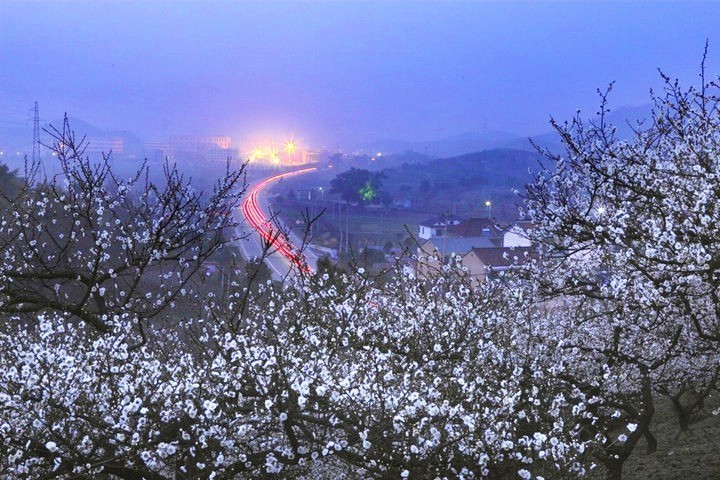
268	151
257	153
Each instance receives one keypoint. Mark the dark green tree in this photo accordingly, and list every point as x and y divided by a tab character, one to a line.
358	185
10	182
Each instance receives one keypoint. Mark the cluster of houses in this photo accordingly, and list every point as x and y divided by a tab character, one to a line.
483	247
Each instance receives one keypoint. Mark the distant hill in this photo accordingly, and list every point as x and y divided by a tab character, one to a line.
390	160
18	136
133	145
446	147
624	119
15	135
499	167
468	142
464	182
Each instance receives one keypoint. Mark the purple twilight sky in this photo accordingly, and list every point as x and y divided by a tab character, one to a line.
341	73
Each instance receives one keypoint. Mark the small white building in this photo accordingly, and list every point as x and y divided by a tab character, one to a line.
518	235
437	226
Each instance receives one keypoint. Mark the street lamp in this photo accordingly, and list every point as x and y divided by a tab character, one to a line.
257	154
289	148
488	204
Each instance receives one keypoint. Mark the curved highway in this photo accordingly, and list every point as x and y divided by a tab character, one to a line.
257	219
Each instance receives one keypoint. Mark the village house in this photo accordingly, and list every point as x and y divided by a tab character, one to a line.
476	227
484	262
437	250
437	226
518	235
480	242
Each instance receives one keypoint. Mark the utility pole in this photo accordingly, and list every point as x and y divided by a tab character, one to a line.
444	247
338	218
347	228
36	135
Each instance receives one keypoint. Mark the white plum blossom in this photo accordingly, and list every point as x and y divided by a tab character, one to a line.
628	229
539	373
524	474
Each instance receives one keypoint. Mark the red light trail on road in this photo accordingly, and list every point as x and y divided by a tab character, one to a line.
255	217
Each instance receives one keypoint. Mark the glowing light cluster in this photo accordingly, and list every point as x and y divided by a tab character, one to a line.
267	154
271	154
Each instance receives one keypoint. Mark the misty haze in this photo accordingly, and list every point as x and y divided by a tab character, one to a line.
359	240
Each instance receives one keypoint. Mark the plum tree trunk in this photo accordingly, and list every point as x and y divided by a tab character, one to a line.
683	414
651	441
614	469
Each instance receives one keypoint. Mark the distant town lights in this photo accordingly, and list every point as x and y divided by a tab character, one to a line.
286	153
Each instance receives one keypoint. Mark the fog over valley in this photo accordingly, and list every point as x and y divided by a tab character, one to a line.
359	240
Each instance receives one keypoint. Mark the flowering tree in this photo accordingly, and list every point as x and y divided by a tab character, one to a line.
630	246
92	246
344	380
411	381
540	373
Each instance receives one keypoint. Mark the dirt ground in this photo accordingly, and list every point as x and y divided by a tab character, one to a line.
688	456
